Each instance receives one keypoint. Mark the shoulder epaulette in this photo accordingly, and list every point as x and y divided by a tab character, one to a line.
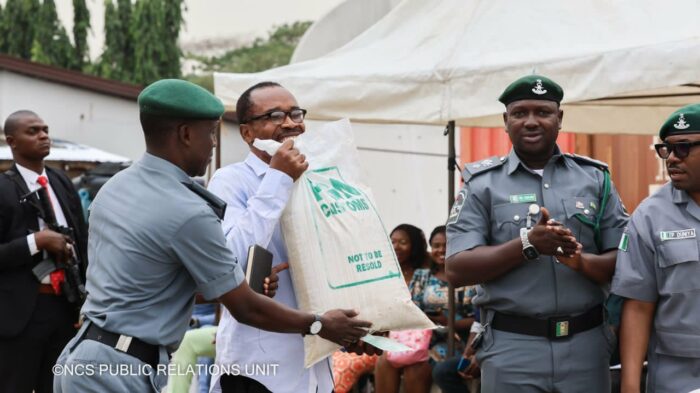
588	161
478	167
215	203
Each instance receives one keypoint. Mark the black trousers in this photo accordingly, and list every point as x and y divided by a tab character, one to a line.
26	360
240	384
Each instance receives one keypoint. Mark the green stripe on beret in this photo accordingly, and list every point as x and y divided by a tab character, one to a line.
683	121
532	87
177	98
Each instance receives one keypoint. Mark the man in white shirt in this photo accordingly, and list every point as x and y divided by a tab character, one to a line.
256	191
38	319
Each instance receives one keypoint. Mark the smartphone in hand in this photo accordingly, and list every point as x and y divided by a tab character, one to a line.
463	364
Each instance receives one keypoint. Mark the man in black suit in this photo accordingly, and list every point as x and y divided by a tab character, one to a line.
37	319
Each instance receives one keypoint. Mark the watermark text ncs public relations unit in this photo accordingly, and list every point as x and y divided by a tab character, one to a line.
90	369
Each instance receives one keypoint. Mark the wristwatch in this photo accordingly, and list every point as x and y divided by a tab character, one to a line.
316	325
529	251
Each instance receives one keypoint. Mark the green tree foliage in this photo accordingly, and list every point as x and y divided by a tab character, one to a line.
141	40
172	22
140	37
81	26
156	57
30	29
116	61
51	44
262	54
2	29
19	26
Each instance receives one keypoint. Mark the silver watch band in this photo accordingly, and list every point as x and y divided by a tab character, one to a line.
523	237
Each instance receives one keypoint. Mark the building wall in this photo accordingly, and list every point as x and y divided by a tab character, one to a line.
233	149
106	122
635	168
406	168
102	121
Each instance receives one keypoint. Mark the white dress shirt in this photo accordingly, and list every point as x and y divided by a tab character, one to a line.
30	179
256	196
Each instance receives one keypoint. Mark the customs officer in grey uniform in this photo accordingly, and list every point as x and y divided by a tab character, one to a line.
658	270
155	238
538	229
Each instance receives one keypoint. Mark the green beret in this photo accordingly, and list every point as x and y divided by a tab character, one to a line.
683	121
179	99
532	87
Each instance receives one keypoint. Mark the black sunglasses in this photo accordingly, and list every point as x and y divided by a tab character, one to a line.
277	117
680	149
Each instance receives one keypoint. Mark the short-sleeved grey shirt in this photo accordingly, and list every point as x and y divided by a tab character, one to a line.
152	244
494	206
659	262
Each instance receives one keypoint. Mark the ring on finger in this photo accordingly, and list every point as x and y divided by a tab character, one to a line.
560	251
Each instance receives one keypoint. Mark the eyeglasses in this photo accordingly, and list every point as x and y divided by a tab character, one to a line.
680	149
278	117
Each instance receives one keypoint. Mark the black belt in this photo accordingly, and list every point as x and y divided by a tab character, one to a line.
147	353
553	327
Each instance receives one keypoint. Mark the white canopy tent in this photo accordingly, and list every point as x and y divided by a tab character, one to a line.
624	65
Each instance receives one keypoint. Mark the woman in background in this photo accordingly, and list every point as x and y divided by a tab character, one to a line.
429	291
411	249
428	287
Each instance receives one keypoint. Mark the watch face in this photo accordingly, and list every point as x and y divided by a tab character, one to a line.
315	327
530	253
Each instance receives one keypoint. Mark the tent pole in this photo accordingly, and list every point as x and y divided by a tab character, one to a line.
218	146
451	163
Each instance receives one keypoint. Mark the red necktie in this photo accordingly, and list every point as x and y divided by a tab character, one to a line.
57	276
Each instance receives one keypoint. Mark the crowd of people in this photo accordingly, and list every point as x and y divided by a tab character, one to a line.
538	246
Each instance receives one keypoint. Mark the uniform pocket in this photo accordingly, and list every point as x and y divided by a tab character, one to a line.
679	265
674	252
581	214
508	219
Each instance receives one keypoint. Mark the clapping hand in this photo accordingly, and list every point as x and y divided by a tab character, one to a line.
552	238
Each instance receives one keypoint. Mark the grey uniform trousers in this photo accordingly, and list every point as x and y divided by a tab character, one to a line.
518	363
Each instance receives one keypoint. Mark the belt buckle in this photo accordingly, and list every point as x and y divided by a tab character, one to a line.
559	327
123	343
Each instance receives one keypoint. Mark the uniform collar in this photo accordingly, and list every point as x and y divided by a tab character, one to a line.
29	176
514	160
258	166
679	196
150	161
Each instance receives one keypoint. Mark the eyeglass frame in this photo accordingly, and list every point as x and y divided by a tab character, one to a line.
288	113
673	148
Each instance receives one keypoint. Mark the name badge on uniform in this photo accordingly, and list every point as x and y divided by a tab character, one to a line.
523	198
677	235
